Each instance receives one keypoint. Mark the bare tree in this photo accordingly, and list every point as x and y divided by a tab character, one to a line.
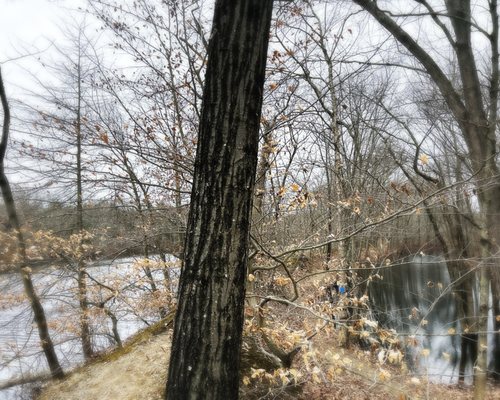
58	142
24	269
476	118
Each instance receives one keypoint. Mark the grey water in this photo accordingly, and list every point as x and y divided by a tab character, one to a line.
415	299
20	351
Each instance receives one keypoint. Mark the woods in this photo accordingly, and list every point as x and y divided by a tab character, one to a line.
236	169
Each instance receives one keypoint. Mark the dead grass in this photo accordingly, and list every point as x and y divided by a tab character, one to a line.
139	372
358	376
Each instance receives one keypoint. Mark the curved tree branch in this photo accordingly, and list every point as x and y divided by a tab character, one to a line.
451	96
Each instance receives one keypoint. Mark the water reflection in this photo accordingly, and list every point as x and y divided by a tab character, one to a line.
414	298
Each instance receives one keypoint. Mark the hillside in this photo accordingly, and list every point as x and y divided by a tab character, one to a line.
138	371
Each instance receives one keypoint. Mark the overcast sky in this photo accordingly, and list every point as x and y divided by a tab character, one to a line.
27	26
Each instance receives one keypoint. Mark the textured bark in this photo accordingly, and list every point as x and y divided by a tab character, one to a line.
8	198
206	344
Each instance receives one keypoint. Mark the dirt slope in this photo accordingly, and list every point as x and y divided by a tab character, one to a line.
137	373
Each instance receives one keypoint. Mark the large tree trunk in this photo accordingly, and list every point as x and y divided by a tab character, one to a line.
208	328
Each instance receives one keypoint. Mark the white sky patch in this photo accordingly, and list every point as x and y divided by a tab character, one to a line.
29	27
27	24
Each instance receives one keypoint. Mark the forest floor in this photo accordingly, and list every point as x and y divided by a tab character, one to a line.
139	372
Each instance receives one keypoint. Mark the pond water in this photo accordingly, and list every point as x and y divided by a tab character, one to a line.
414	298
20	352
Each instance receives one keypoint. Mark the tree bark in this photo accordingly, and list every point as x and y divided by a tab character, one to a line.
207	337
